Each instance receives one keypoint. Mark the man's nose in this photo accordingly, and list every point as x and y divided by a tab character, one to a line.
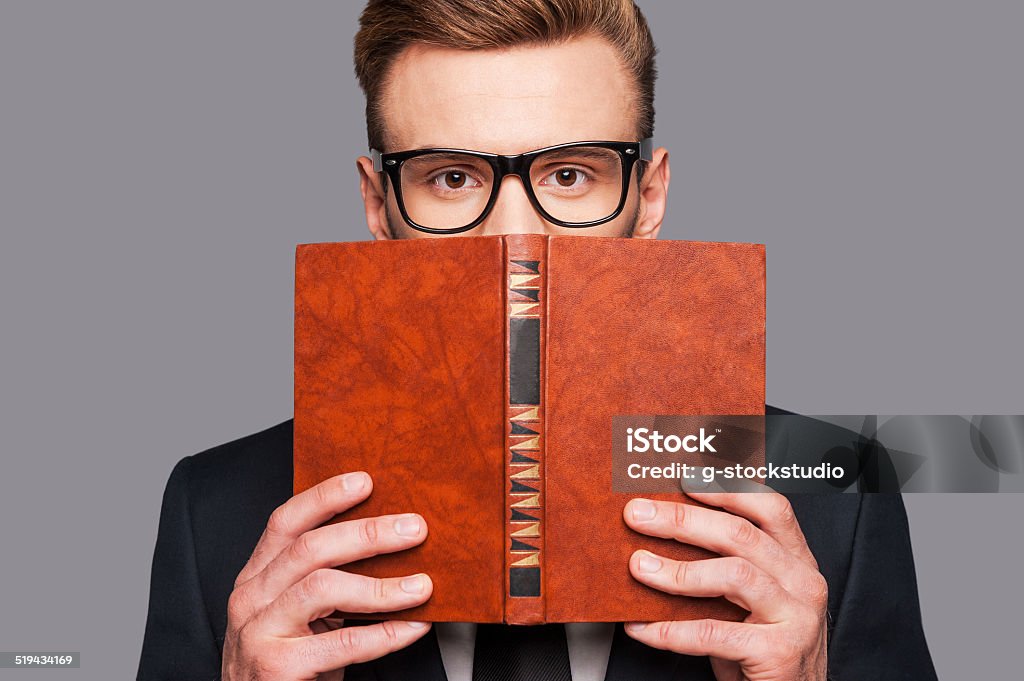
513	213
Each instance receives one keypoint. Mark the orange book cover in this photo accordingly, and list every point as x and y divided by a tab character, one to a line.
475	379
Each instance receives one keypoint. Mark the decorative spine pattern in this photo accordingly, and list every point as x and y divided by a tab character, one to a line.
525	433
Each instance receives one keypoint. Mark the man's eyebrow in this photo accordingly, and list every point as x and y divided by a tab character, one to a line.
442	155
584	152
433	146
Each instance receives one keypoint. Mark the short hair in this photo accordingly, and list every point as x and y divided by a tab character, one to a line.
386	27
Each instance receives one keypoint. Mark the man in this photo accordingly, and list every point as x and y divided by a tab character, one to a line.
243	576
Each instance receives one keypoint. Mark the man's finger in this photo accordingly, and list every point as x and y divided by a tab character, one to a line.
322	592
334	545
770	511
723	533
332	650
736	641
737	579
303	512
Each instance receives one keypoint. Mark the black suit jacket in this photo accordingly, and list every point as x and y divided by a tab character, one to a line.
216	505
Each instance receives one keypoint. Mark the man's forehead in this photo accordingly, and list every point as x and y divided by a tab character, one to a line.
508	100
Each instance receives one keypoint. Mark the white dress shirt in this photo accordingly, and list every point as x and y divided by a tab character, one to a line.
590	644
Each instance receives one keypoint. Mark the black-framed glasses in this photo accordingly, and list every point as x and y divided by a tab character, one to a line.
447	191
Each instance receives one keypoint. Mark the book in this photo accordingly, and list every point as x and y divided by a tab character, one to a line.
475	379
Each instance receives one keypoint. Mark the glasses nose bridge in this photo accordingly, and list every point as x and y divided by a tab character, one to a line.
518	165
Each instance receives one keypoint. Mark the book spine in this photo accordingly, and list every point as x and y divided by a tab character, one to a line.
526	303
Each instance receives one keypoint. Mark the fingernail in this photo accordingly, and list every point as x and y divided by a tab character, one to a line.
636	626
649	562
417	625
408	526
353	482
643	510
412	585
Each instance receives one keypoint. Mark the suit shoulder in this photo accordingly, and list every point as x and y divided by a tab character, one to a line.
772	410
245	478
230	491
267	452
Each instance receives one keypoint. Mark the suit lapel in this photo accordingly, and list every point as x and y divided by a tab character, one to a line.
630	659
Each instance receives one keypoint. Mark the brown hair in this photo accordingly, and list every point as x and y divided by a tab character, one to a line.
386	27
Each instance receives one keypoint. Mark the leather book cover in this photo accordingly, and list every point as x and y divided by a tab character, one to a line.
475	379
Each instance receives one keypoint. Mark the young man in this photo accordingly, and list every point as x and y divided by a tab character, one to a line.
243	577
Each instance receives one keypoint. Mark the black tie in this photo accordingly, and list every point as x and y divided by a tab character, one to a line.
521	653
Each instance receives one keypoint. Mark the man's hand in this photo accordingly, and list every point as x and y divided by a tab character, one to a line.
765	567
278	625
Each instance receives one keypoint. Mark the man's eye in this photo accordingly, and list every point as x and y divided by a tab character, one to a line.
567	178
454	179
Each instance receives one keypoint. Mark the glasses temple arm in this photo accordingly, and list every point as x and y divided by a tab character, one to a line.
647	149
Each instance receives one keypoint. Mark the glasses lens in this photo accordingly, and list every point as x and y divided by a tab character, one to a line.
578	184
444	190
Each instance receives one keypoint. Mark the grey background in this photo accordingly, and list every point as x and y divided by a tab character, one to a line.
159	161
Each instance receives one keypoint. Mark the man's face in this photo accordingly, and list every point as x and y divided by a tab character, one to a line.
510	101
